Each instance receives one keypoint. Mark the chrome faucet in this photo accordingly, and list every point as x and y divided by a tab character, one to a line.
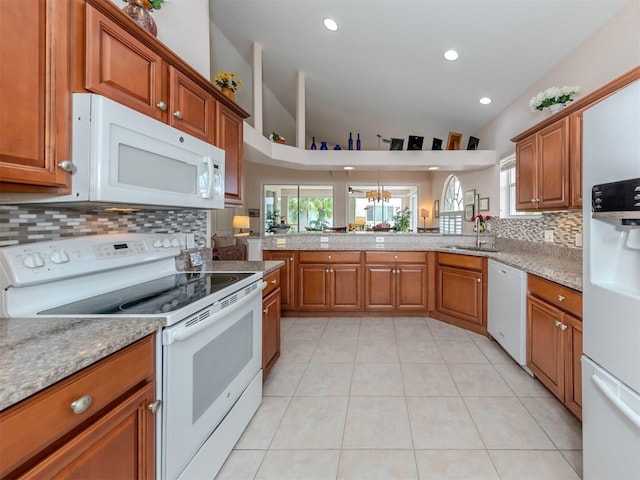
478	242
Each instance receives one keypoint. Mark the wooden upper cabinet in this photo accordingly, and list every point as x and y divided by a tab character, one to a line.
192	108
35	117
575	157
121	68
542	169
229	138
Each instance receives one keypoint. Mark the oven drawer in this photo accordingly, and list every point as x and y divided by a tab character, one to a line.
30	426
273	282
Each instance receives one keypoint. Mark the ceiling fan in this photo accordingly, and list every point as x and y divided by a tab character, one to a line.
352	191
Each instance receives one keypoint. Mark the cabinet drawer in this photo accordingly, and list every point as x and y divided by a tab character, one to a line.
456	260
557	295
273	282
30	426
329	257
396	257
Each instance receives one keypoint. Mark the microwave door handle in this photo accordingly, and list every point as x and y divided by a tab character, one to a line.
210	172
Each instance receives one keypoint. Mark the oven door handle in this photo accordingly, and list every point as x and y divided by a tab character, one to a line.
182	331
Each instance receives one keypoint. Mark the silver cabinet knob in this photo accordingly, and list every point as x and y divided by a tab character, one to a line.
563	327
66	165
274	281
266	310
178	114
162	106
155	406
560	298
329	257
80	405
557	323
478	280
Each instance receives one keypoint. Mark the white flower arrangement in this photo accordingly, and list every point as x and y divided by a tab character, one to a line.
553	95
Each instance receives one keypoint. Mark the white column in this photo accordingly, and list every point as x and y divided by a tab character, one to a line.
300	112
257	87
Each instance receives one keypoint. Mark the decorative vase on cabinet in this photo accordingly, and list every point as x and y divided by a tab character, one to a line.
556	107
323	146
140	12
313	143
227	92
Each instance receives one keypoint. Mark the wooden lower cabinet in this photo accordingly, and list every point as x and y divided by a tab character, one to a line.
554	340
112	436
331	286
461	291
270	322
288	274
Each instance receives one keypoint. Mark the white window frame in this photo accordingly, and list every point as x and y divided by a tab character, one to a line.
451	207
508	190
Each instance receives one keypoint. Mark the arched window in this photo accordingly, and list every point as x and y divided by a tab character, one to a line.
451	206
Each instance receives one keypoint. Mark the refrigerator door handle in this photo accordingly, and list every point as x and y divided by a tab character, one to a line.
619	404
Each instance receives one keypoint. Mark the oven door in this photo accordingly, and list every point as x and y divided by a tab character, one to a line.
208	361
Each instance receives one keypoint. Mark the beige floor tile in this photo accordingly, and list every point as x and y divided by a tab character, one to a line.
344	321
377	351
283	379
479	380
383	379
522	384
455	464
377	465
574	457
504	422
241	465
492	350
532	465
423	380
263	425
442	423
377	422
332	352
299	465
444	331
563	428
339	333
377	331
286	323
312	422
454	351
412	328
419	351
304	332
328	379
296	351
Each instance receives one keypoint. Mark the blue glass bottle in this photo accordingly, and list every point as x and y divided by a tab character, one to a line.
358	143
337	147
323	146
350	141
313	143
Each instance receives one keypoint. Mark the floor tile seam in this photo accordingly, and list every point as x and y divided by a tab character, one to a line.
562	452
540	424
275	430
496	370
515	393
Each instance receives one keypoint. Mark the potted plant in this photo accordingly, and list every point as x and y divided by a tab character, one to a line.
276	138
228	83
402	219
553	98
275	223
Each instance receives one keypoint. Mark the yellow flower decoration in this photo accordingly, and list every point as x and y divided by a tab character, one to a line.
227	80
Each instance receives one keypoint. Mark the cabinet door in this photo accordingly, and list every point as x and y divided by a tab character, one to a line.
120	444
545	345
573	370
121	68
270	331
314	291
553	168
411	287
380	287
287	276
229	138
35	117
575	158
526	174
192	108
460	294
346	285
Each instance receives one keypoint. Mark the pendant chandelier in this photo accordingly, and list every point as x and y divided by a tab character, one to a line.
379	195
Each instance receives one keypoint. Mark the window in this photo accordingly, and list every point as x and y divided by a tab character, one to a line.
372	212
302	207
508	188
451	207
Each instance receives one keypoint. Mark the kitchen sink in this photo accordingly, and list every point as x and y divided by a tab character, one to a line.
472	248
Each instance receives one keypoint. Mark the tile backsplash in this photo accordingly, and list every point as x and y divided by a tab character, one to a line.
25	224
565	226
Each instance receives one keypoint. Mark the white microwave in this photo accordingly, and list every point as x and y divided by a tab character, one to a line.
122	158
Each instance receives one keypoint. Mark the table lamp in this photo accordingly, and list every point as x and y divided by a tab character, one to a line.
424	213
360	221
241	222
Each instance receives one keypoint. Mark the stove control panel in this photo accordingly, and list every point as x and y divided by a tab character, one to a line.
41	262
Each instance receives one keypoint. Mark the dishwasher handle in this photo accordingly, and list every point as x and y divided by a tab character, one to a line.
617	402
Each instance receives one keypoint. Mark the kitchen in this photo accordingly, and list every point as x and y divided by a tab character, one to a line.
41	221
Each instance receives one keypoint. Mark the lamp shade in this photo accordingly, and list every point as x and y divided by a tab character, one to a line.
361	220
240	221
424	213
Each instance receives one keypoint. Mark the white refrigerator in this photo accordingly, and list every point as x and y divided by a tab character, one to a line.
611	293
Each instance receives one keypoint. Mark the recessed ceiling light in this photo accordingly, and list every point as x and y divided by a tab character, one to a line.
451	55
485	100
330	24
348	168
433	168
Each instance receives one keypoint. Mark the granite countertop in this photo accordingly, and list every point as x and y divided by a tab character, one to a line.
36	353
265	267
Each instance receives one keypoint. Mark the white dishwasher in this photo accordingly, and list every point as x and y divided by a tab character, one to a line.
507	316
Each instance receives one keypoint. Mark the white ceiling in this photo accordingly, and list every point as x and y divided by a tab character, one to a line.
382	73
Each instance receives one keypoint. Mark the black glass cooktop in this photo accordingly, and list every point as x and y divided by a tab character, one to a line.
163	295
